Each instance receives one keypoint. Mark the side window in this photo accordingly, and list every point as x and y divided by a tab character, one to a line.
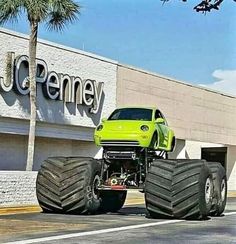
158	114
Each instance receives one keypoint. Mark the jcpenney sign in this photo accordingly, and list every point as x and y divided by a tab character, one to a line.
55	86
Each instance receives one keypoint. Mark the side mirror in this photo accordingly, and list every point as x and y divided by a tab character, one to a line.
160	121
104	119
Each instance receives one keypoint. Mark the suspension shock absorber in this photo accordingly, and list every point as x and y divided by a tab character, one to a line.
140	164
146	160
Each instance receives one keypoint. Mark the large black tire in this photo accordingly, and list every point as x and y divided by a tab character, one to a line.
69	185
179	189
220	188
158	189
192	189
112	200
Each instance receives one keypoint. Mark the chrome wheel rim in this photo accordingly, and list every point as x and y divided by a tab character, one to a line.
223	190
208	190
96	183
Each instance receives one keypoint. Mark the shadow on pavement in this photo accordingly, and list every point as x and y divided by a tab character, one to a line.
132	211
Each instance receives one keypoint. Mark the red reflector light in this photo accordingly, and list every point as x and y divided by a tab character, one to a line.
118	187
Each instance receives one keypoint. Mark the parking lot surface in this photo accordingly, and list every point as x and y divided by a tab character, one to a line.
130	225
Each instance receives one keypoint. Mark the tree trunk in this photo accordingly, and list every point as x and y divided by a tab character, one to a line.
32	84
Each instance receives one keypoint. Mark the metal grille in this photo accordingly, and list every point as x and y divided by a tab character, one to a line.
119	143
120	155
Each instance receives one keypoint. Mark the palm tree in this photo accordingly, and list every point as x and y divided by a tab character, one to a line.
56	14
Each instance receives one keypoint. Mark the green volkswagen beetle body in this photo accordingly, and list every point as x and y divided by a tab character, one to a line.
138	127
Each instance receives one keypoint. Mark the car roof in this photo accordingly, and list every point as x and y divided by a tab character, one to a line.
152	108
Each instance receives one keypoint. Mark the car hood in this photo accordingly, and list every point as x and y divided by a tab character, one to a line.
125	125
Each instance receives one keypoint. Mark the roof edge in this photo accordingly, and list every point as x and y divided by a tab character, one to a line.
56	45
176	81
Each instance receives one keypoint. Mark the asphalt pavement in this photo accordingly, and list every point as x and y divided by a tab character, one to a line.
130	225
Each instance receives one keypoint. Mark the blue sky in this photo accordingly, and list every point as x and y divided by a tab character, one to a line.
169	39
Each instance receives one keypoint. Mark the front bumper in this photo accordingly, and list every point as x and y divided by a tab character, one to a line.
123	139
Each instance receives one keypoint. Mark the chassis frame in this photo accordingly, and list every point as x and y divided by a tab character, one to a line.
124	168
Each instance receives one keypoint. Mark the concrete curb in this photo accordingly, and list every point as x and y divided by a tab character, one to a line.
231	194
37	209
20	210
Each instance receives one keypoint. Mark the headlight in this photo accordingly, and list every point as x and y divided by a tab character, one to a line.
144	128
100	127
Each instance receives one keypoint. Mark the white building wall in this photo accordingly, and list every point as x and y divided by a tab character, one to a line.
231	167
193	148
51	139
64	60
13	150
190	149
17	188
62	125
47	147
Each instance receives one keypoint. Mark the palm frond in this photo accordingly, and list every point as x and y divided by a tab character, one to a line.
62	12
37	10
204	5
10	10
207	5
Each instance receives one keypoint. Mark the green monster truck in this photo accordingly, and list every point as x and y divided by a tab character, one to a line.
138	127
135	143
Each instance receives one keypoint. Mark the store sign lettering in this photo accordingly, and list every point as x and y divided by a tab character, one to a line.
55	86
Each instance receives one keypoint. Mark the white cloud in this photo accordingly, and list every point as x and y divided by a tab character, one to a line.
226	81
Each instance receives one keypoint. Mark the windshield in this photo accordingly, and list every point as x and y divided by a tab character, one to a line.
131	114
